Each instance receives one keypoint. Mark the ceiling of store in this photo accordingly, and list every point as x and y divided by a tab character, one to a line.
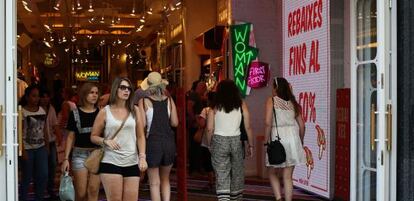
112	20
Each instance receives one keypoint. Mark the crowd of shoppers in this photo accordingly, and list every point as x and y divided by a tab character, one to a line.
136	131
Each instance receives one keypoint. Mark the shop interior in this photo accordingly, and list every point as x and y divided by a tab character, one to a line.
64	43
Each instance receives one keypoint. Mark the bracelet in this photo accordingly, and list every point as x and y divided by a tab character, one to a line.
65	159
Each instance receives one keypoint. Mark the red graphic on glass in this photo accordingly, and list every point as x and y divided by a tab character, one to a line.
309	161
321	141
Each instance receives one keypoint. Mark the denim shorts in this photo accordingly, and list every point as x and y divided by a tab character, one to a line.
79	156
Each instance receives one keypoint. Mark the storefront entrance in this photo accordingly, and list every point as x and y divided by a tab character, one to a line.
373	92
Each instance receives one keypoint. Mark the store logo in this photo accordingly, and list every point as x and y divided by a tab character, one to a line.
87	75
243	54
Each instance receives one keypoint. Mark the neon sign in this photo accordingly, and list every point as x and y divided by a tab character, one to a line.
87	75
258	74
243	54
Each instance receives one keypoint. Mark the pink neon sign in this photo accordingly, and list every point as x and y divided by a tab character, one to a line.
258	74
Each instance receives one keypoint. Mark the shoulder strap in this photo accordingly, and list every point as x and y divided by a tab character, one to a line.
143	104
169	106
274	115
120	127
76	116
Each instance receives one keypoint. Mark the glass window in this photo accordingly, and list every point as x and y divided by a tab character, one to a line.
366	22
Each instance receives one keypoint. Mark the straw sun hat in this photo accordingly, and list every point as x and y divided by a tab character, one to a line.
154	79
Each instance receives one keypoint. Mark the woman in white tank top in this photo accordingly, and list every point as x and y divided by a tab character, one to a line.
122	162
223	127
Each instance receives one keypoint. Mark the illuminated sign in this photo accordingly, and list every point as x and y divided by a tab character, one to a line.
87	75
306	65
243	54
258	74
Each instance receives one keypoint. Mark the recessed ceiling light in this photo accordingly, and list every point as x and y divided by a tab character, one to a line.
57	5
79	7
90	7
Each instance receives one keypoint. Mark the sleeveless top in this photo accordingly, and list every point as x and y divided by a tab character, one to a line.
127	155
288	130
227	124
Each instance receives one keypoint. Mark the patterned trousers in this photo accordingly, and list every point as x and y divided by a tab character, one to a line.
228	164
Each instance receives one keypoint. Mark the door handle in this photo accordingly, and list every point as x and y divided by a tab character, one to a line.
373	126
1	130
389	126
20	129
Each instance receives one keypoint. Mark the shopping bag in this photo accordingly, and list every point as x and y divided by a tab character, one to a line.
66	190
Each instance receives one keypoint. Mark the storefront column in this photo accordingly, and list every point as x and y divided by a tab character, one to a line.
405	94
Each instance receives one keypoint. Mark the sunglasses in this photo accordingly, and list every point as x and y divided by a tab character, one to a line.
123	88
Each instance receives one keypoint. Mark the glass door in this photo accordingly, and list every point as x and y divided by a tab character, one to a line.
371	103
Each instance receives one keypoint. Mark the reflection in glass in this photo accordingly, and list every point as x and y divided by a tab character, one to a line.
366	22
366	96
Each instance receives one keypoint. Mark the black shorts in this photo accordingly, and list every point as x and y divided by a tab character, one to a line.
130	171
160	152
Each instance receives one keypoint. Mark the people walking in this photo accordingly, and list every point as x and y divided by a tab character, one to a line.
124	155
78	142
291	129
223	126
35	144
195	102
205	148
55	139
161	114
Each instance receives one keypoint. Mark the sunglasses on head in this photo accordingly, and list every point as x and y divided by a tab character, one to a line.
275	80
123	88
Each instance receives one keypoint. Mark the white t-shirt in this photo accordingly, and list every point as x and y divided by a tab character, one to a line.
33	132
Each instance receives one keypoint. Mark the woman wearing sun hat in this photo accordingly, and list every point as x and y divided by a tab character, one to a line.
160	114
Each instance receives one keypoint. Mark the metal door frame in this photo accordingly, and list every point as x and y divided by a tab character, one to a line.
385	61
8	15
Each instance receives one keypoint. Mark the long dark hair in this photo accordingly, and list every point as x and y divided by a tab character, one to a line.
283	90
227	96
114	94
23	101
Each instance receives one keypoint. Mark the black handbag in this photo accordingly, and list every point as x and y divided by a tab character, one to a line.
275	151
243	132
